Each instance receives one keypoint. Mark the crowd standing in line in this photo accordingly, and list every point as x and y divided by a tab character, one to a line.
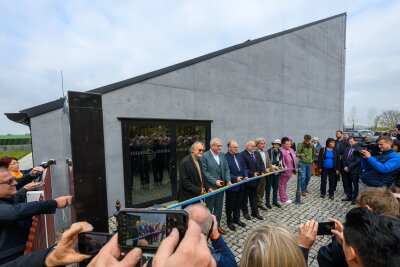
373	224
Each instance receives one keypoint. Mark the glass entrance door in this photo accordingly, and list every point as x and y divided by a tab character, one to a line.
153	150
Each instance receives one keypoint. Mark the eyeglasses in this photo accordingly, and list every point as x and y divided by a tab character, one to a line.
201	150
14	163
9	181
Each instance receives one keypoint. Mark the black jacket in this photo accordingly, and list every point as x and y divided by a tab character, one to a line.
16	219
35	259
190	183
321	158
352	162
331	255
253	167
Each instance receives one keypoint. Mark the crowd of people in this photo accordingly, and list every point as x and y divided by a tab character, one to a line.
370	180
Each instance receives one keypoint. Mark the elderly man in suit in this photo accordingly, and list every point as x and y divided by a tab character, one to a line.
191	177
234	196
260	144
255	167
351	172
217	175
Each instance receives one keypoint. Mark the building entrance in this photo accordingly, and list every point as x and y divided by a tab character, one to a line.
153	150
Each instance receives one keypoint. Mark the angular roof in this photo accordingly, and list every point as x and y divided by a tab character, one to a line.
24	115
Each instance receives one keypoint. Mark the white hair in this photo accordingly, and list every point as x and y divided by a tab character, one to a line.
212	142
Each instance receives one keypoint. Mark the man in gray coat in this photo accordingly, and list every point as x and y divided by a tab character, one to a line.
216	172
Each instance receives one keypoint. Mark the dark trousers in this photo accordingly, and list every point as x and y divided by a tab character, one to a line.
250	194
233	202
331	175
215	204
347	187
273	181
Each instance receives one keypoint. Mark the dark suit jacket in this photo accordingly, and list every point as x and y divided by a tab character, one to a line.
190	184
353	163
321	158
233	169
253	167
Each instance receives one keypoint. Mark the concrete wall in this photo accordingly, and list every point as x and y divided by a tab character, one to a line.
288	85
51	140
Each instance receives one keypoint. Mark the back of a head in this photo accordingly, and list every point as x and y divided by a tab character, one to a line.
375	238
201	215
272	246
380	200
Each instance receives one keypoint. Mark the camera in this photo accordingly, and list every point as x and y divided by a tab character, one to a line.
50	162
371	147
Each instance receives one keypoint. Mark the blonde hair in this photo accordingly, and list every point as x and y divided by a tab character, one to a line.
273	246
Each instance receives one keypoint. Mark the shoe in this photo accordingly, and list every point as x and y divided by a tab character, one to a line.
322	196
331	198
247	216
258	216
231	226
287	202
277	205
303	194
262	207
308	192
353	202
222	231
346	199
268	206
240	223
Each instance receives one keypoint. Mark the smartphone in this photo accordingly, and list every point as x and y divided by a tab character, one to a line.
90	243
324	228
147	228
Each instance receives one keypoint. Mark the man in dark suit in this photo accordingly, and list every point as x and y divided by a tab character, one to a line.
255	167
351	172
238	171
191	183
216	172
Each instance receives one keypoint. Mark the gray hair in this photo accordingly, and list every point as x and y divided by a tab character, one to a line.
201	215
195	144
259	140
212	142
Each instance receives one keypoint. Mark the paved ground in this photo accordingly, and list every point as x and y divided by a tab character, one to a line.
312	207
25	162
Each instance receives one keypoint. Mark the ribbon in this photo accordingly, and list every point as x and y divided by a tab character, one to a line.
219	190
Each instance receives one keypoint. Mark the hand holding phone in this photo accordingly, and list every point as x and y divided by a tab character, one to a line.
307	234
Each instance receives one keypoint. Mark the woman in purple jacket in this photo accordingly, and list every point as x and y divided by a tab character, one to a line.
289	161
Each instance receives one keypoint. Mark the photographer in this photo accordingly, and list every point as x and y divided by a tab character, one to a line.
22	177
16	216
380	170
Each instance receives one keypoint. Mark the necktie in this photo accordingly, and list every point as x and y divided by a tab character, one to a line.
237	163
253	157
350	152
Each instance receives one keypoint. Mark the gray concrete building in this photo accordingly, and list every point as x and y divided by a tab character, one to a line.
288	83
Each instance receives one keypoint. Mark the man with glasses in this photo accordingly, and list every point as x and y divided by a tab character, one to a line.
16	216
216	172
191	177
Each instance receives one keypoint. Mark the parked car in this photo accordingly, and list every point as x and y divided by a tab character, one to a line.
359	135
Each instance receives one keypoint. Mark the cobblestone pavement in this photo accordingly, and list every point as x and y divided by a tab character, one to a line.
312	207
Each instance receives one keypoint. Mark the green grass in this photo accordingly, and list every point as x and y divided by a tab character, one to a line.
15	153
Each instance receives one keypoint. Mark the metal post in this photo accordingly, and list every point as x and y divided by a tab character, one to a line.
298	191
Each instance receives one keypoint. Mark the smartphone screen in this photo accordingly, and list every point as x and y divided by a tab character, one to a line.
147	228
90	243
324	228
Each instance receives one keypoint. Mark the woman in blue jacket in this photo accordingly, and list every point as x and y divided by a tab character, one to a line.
328	166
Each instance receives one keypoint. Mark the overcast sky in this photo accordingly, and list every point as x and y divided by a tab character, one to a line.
96	43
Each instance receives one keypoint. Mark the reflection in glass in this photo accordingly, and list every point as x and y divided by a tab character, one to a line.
150	150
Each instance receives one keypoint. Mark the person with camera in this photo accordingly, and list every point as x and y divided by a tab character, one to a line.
16	215
380	170
351	172
22	177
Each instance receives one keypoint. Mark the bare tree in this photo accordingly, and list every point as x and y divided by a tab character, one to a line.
371	115
352	118
389	119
